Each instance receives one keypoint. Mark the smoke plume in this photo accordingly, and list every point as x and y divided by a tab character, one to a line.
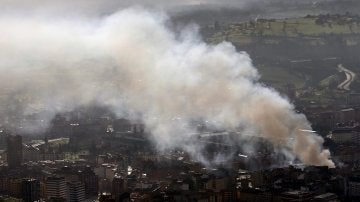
133	63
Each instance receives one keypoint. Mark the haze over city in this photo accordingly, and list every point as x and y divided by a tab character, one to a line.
236	91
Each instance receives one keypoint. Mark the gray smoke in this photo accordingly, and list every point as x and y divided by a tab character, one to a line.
134	64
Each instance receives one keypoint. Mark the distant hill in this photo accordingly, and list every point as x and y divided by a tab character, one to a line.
205	14
304	52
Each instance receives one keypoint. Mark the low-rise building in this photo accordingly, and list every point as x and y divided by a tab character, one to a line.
346	135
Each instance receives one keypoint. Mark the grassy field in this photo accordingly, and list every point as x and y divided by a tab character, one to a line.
278	77
309	28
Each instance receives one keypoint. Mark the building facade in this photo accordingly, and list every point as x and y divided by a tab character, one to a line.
14	151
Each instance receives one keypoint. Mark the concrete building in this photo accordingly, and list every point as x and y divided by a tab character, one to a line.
56	188
260	178
14	187
346	135
354	187
31	154
118	187
76	191
91	181
14	151
217	184
297	196
326	197
30	190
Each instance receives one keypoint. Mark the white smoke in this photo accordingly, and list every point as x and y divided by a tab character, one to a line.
133	63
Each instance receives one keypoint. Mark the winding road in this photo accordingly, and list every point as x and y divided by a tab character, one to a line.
350	77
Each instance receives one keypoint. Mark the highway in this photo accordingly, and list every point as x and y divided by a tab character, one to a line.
350	77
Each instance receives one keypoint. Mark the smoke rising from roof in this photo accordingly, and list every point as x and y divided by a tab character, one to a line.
134	64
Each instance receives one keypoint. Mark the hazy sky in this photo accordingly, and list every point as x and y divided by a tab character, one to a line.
95	7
